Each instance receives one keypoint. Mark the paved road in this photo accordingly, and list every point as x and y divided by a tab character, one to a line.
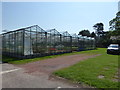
14	77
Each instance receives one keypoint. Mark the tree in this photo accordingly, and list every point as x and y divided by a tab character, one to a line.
115	29
84	33
115	25
115	22
93	34
99	27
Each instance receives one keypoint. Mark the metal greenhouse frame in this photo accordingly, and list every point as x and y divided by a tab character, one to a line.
12	43
81	43
75	42
33	41
66	40
54	45
27	41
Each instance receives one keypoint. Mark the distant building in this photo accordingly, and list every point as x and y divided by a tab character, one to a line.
115	37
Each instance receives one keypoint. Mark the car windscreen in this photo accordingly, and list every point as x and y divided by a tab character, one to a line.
114	46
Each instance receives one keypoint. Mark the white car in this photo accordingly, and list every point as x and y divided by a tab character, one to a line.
113	49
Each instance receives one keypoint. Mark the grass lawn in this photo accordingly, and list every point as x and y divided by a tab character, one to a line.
23	61
99	72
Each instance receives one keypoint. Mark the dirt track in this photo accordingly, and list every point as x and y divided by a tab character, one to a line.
38	74
49	65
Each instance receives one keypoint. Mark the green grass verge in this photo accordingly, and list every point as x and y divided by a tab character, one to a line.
89	70
23	61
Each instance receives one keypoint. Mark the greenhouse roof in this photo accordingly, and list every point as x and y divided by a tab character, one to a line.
65	33
32	28
74	35
35	28
53	31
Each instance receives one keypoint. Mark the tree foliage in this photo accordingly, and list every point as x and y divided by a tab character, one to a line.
103	38
85	33
111	36
115	22
93	34
99	27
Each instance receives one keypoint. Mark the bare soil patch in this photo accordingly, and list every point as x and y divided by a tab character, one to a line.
101	76
45	68
50	65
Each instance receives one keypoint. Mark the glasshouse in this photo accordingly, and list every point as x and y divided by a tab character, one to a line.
33	41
